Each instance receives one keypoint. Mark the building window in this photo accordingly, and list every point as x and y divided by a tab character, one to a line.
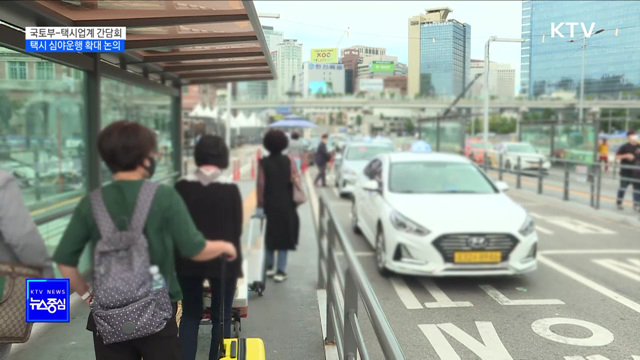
17	70
44	71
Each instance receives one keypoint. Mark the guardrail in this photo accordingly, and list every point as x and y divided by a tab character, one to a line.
352	285
598	181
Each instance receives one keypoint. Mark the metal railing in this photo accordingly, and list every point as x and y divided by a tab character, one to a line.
352	285
595	180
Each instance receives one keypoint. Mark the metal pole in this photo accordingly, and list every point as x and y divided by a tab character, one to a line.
322	283
566	181
499	166
228	120
540	176
331	269
598	187
593	184
518	175
584	57
349	343
485	129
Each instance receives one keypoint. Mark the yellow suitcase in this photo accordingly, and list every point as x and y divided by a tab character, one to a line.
244	349
237	348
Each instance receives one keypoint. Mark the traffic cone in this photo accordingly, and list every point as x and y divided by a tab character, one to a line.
253	169
236	170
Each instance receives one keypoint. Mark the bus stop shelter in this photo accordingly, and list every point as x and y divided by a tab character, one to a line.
55	104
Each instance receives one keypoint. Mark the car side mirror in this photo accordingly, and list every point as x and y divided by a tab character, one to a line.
371	185
502	186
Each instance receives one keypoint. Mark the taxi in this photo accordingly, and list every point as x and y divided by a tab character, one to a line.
437	214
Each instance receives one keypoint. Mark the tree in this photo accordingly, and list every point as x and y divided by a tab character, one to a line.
359	120
409	126
548	114
6	110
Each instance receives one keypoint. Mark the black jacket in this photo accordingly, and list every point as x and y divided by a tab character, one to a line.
216	209
322	155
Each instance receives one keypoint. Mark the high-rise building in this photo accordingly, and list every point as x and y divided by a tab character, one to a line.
502	80
366	51
350	59
273	38
257	90
551	64
321	78
439	54
289	63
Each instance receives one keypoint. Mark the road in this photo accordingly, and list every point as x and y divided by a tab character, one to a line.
583	302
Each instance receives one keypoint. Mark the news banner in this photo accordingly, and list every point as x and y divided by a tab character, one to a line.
75	39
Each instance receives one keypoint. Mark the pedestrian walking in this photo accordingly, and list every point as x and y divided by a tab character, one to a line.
296	151
215	204
629	156
322	158
276	200
603	150
135	288
20	242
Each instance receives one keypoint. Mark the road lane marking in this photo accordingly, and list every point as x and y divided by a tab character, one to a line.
503	300
543	230
589	251
574	225
591	284
599	335
630	270
491	347
442	300
405	294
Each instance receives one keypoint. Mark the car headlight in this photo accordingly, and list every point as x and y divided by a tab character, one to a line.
528	227
400	222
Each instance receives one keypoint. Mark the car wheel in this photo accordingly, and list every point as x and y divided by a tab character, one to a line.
381	254
354	219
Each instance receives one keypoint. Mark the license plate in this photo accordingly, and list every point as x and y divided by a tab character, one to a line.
477	256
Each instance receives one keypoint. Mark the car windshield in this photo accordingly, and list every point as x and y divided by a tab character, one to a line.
356	153
521	148
438	178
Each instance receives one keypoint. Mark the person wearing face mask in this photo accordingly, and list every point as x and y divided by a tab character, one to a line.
128	149
629	156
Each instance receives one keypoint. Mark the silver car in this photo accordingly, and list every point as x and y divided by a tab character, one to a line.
354	159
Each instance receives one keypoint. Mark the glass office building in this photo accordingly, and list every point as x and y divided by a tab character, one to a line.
552	65
445	58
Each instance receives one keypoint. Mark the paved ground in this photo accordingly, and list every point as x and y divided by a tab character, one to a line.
583	300
286	318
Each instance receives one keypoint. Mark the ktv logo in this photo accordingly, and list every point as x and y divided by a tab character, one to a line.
555	29
48	300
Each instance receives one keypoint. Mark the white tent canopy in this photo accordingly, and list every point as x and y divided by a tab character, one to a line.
197	111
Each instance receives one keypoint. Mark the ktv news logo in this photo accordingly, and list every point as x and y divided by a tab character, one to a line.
48	300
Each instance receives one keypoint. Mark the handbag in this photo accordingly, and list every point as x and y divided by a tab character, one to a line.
13	310
299	197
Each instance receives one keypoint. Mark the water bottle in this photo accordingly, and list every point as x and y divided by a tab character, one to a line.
157	280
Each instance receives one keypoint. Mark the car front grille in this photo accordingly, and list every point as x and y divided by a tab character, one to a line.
447	245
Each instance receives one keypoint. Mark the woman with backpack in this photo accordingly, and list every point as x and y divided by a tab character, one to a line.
215	204
134	227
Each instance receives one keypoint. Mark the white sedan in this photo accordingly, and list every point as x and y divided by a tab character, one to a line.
355	158
440	215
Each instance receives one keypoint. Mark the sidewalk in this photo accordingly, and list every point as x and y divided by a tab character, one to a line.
286	318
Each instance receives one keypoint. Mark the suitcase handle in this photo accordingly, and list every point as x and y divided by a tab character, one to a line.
223	273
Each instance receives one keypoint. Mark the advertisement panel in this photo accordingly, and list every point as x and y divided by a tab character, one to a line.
383	67
371	85
326	56
320	87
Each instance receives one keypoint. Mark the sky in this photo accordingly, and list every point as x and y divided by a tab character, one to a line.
323	24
